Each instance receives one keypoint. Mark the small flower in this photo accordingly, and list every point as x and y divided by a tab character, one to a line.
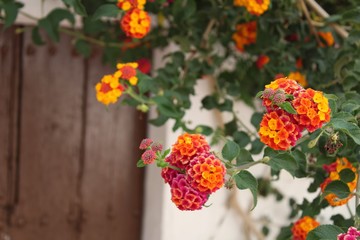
184	196
292	37
262	61
279	98
268	93
206	173
245	35
334	169
129	4
187	147
255	7
352	234
328	38
109	90
299	63
148	156
157	147
298	77
312	109
302	227
144	65
288	85
127	71
136	23
145	143
279	130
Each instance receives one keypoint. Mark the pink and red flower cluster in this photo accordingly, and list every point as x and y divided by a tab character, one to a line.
151	149
280	129
196	172
352	234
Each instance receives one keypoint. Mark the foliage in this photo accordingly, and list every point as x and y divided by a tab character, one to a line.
239	52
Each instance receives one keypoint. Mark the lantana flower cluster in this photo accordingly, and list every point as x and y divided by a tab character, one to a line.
352	234
111	87
193	172
290	110
245	34
334	170
255	7
136	22
302	227
152	149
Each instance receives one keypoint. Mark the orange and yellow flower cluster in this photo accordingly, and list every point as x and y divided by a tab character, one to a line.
197	173
255	7
111	87
280	127
312	109
327	37
278	130
136	22
261	61
334	170
302	227
298	77
245	35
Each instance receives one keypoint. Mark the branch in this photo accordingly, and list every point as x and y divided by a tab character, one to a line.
308	18
322	13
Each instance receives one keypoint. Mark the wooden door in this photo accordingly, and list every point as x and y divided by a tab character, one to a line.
67	164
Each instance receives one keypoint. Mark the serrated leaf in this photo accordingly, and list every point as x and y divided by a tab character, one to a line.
230	150
241	138
256	146
11	11
245	180
49	28
337	187
78	6
140	163
283	161
83	47
205	130
106	10
347	175
288	107
256	119
35	35
324	232
244	157
259	94
349	128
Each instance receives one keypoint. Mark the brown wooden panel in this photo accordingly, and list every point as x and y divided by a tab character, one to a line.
112	185
50	142
9	80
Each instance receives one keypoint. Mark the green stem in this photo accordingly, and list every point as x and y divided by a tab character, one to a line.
137	97
250	164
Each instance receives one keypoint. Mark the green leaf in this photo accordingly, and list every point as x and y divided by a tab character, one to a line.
349	128
77	5
256	119
324	232
203	129
339	188
287	107
209	102
347	175
159	121
11	11
230	150
140	164
259	94
283	161
256	146
83	47
245	180
106	10
35	35
241	138
244	157
49	28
